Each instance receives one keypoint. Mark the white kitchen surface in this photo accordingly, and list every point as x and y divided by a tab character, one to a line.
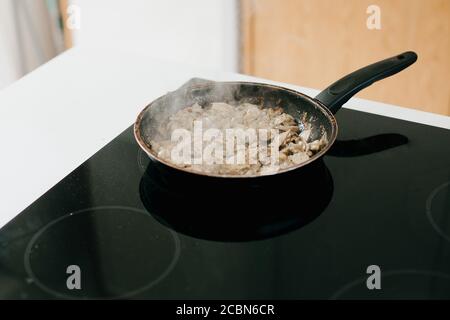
62	113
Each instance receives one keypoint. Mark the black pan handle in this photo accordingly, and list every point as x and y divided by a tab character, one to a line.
342	90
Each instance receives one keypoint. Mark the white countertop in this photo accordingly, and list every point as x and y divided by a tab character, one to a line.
56	117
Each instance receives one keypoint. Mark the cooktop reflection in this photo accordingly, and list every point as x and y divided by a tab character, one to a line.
114	228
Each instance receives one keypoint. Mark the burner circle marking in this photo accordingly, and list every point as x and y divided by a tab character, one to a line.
32	245
429	203
389	274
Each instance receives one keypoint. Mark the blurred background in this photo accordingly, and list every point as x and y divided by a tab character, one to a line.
305	42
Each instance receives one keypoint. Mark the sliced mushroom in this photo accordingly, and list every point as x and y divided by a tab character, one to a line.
293	138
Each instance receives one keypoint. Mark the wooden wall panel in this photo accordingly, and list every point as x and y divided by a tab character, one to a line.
314	42
63	4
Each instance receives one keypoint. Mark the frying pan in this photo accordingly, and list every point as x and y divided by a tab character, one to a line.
319	111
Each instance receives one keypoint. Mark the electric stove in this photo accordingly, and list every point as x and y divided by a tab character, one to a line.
114	228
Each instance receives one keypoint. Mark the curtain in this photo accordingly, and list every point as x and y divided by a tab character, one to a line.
30	35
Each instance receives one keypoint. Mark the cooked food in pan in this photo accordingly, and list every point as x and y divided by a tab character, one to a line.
246	139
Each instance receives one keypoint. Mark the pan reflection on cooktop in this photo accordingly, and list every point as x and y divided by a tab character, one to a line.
248	213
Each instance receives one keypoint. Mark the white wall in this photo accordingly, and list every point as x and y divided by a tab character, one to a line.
199	32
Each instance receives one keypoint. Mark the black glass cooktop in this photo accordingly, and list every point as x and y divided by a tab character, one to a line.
114	227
